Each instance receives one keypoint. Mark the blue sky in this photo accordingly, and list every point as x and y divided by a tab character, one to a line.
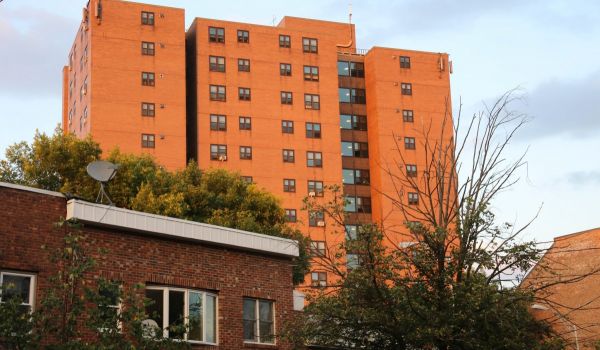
548	48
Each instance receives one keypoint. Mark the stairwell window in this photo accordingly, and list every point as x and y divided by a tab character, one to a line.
147	18
147	79
310	45
148	141
406	88
216	35
259	321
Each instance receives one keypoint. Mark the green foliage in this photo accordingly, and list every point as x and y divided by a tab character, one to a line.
218	197
16	326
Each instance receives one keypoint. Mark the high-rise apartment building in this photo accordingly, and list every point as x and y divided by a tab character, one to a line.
292	107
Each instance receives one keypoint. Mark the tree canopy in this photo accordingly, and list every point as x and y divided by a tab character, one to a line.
58	163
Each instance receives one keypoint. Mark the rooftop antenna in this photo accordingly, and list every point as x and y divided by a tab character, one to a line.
102	171
274	18
348	45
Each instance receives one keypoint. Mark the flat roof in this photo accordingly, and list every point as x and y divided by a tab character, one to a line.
102	215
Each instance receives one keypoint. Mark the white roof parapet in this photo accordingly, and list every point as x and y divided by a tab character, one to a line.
118	218
31	189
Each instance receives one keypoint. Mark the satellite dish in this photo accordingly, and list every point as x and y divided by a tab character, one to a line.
102	171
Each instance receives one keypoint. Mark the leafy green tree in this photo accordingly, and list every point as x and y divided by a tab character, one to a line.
443	283
58	163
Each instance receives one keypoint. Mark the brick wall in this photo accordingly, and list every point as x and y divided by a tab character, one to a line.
26	224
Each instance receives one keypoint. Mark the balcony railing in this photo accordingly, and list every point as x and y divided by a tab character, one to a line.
354	52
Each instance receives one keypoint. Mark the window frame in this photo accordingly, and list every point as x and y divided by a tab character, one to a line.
289	185
406	89
320	281
410	143
148	109
245	123
357	122
310	45
166	306
286	43
315	186
32	286
291	215
313	130
405	62
217	66
149	141
243	36
218	36
149	49
220	124
314	158
287	97
314	217
285	69
318	248
147	18
408	116
221	151
411	170
413	198
310	103
257	321
355	96
313	73
359	149
245	152
243	65
148	79
219	95
288	155
287	129
244	94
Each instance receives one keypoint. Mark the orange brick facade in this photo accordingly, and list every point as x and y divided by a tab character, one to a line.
182	130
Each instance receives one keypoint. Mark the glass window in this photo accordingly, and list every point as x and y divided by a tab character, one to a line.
313	130
346	121
357	69
343	68
218	122
350	204
286	98
243	65
243	36
285	41
347	149
315	188
413	198
310	45
217	93
344	95
404	62
318	248
148	141
409	143
318	279
288	156
314	159
148	18
316	219
285	69
176	310
363	204
147	48
147	79
216	35
352	261
287	126
406	88
411	170
259	320
311	101
148	109
352	95
247	179
351	232
290	215
348	176
216	63
245	152
245	123
20	286
289	185
218	152
311	73
244	94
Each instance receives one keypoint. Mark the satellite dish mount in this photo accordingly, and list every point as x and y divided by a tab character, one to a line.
102	171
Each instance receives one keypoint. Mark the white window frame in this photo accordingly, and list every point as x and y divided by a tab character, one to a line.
257	328
186	311
32	285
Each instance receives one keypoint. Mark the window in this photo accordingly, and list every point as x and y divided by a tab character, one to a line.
355	149
217	93
313	130
355	176
147	140
352	95
18	285
314	159
290	215
285	41
216	63
148	18
363	204
409	143
351	232
351	69
259	317
318	279
218	122
413	198
243	36
353	122
147	79
245	152
247	179
406	88
148	109
289	185
315	188
404	62
244	94
243	65
286	98
216	35
408	116
288	156
245	123
352	261
285	69
218	152
311	73
176	310
109	304
147	48
411	170
310	45
311	101
287	126
350	204
316	219
318	248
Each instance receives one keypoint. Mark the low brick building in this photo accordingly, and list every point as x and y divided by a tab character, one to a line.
567	284
243	280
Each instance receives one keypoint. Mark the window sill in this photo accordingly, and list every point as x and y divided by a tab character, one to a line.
251	345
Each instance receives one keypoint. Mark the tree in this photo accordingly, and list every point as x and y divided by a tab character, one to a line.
58	163
443	284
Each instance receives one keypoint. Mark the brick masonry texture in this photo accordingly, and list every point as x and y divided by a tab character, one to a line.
26	224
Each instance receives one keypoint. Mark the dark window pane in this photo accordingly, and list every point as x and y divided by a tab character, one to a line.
176	302
154	309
